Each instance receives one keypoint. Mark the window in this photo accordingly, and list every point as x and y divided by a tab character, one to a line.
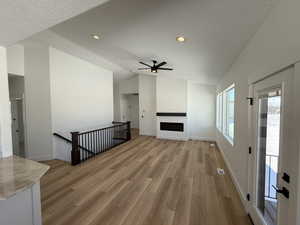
219	111
225	113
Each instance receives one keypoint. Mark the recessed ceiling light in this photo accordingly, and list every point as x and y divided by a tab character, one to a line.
96	37
180	39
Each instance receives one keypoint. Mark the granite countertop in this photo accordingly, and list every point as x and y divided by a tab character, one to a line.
18	174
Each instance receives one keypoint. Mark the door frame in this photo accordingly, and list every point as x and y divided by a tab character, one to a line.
275	80
22	99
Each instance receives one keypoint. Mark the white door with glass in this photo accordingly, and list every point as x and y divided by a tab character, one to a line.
272	158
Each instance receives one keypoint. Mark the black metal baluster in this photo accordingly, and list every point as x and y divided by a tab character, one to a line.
109	137
80	144
91	143
96	135
99	148
99	136
113	136
86	144
95	142
104	139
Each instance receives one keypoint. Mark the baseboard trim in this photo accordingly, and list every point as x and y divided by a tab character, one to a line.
236	184
41	158
202	139
172	139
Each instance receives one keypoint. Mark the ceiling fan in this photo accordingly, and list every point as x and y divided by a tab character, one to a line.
155	67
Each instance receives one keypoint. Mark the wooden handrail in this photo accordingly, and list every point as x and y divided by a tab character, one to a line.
96	141
69	141
117	124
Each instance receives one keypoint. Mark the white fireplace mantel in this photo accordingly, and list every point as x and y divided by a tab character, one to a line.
173	135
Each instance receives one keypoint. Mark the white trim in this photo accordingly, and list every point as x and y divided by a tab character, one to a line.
297	112
229	139
41	157
36	204
221	123
226	138
203	139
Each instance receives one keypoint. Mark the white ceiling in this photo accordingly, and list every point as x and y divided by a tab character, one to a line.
20	19
133	30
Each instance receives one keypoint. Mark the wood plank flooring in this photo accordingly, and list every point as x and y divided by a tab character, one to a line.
146	181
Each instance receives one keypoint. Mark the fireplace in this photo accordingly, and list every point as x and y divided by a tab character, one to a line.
172	125
179	127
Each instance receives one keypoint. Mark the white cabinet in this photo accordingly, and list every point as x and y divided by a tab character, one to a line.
23	208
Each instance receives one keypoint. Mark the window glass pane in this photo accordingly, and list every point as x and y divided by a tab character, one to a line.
221	111
217	113
224	114
230	113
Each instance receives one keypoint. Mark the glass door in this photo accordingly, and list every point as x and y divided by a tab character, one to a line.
268	153
274	158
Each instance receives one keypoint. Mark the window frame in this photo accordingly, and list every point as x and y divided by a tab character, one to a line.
222	113
219	111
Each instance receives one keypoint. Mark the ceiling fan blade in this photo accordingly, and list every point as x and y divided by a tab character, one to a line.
144	68
145	64
164	68
161	64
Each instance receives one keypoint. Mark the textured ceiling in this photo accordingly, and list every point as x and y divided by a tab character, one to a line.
133	30
20	19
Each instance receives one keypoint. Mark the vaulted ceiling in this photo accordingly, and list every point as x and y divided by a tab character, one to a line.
133	30
20	19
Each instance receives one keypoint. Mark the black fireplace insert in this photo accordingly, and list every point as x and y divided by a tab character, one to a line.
172	126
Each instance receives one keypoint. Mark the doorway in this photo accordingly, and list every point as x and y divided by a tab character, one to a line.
273	156
130	111
268	146
17	101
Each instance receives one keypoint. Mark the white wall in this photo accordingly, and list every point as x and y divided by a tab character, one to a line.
130	109
201	111
275	46
81	96
124	109
5	116
171	94
16	86
38	105
147	101
15	60
121	89
129	86
133	103
117	109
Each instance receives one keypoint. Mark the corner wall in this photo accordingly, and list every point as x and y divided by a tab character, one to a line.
147	101
38	138
201	109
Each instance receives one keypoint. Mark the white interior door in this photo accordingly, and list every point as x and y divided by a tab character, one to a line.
274	159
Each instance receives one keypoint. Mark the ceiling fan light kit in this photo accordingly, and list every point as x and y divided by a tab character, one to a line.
155	67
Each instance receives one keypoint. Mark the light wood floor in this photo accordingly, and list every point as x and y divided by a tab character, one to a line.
145	181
